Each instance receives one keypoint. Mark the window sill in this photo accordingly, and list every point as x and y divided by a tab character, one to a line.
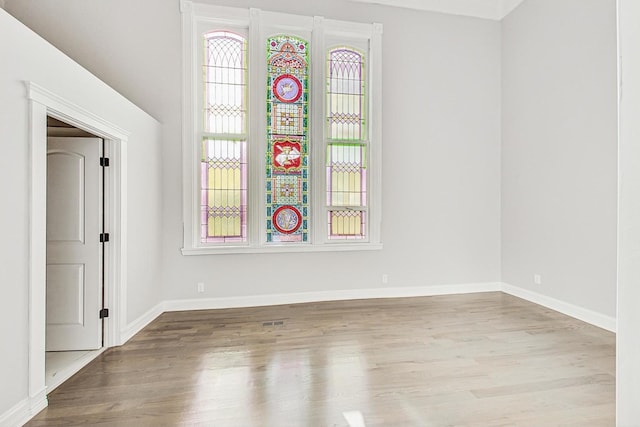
330	247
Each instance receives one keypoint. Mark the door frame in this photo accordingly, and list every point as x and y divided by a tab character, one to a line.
43	103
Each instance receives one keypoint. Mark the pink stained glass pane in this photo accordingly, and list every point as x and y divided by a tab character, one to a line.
223	213
345	95
225	81
347	225
346	175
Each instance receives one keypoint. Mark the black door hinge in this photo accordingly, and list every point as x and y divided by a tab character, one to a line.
104	237
104	313
104	162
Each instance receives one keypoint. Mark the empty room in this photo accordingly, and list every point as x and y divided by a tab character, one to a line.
338	213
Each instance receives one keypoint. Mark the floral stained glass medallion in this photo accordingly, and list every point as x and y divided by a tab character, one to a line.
287	171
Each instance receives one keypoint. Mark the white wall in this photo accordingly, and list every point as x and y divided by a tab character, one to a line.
25	56
441	80
559	151
628	338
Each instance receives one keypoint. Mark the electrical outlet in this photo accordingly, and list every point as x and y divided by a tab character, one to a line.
537	279
200	287
385	278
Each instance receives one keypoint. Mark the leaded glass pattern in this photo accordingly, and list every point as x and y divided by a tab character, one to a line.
224	191
225	78
287	165
346	164
346	175
223	163
346	190
345	94
347	225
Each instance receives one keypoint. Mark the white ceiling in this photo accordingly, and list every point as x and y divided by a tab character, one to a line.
488	9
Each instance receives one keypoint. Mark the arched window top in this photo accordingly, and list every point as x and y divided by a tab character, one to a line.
224	34
346	93
225	49
346	62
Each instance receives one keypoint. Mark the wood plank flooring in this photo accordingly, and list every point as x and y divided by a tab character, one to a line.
479	360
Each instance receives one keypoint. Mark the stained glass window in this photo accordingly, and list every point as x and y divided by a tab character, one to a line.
287	166
272	102
223	175
345	94
346	150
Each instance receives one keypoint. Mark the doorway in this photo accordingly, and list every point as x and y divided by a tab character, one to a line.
43	105
75	288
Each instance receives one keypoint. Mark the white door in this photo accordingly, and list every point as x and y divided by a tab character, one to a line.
74	251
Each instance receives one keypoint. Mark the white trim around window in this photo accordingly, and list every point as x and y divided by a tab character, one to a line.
257	25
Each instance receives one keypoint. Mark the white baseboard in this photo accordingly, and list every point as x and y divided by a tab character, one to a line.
591	317
22	412
580	313
137	325
337	295
588	316
294	298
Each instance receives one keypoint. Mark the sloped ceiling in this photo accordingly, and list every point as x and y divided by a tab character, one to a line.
487	9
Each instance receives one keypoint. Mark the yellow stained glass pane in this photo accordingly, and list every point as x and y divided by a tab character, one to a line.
346	224
224	190
224	226
346	175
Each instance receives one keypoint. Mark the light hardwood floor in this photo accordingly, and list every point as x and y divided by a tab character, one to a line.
480	360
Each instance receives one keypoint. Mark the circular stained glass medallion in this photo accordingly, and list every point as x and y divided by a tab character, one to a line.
287	219
287	88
